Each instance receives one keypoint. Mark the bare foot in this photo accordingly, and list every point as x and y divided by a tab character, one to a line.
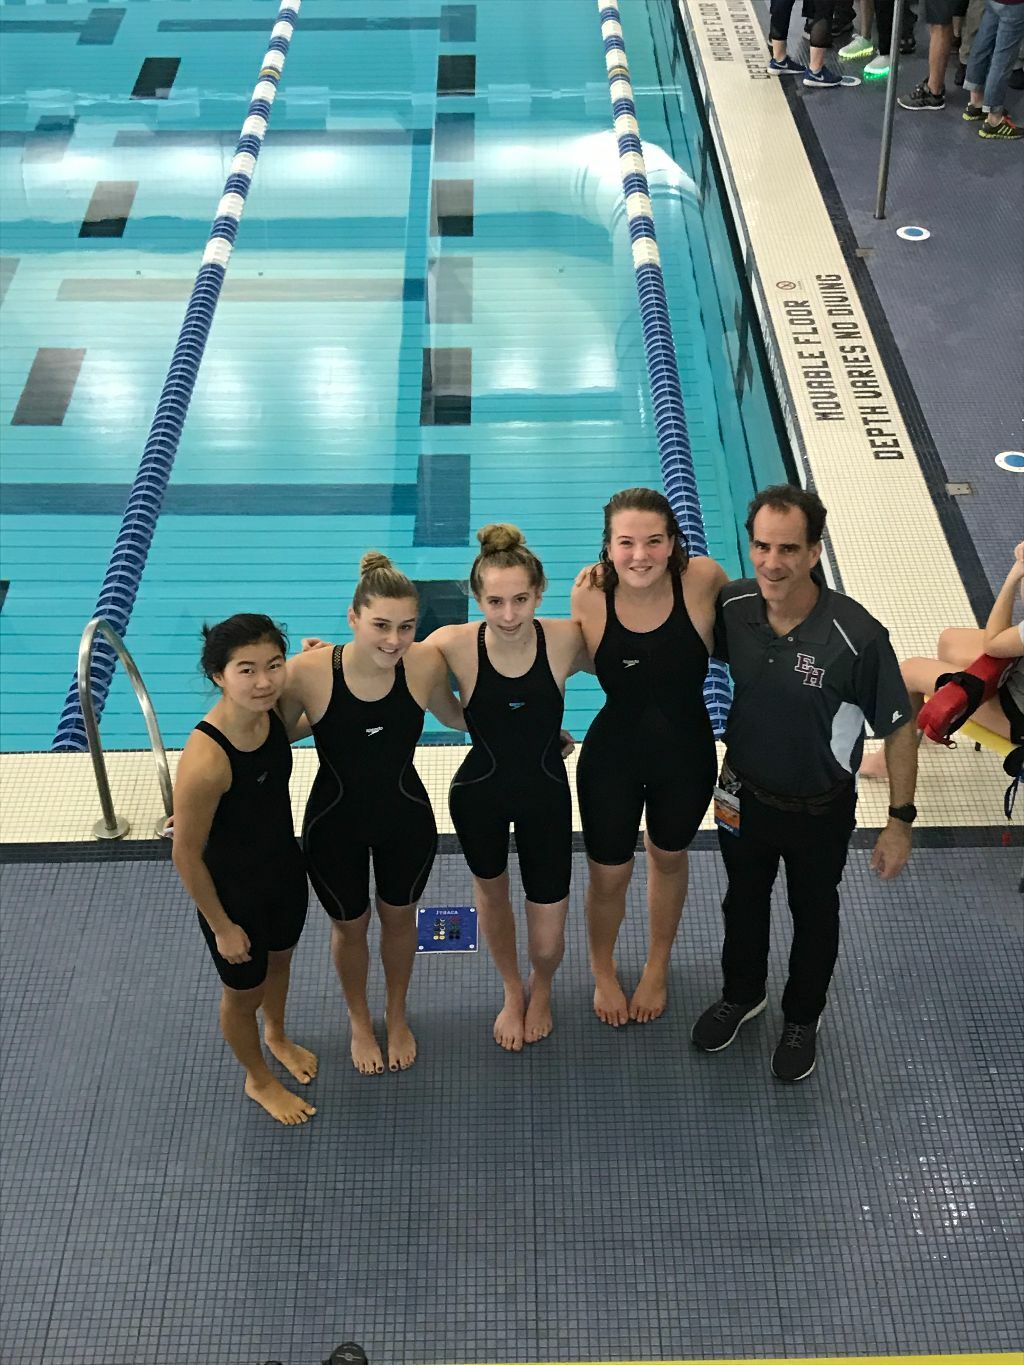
650	997
401	1045
610	1001
366	1054
298	1060
509	1027
538	1023
873	764
279	1103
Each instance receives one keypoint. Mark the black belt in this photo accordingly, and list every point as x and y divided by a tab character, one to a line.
796	805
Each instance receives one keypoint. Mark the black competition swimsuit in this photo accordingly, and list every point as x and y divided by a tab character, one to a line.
253	857
515	774
368	800
652	742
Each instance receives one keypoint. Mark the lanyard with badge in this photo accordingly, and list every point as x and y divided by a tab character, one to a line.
727	800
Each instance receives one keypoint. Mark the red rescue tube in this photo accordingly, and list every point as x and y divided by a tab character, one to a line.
961	695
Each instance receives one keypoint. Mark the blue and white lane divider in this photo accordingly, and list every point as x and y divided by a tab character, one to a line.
124	572
663	372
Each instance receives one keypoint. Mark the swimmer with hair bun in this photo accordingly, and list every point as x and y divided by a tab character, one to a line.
511	670
365	702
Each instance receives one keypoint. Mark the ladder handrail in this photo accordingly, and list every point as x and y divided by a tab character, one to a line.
111	827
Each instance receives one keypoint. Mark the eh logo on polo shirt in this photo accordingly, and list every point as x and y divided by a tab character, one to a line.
805	665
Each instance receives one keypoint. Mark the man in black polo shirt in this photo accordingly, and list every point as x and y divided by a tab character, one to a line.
809	665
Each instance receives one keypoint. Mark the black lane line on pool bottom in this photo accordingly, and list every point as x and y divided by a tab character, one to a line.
442	500
155	78
44	399
109	207
456	74
454	137
451	208
446	387
214	499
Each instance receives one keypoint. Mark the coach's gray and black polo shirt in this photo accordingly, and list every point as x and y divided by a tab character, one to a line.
796	727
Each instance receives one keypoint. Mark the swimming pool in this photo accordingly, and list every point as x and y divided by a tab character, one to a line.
429	320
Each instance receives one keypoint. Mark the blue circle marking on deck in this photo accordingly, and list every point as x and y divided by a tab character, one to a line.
1012	460
913	234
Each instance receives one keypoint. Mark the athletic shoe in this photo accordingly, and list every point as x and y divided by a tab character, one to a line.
828	80
922	98
718	1026
787	67
908	45
878	66
1007	130
857	47
793	1058
973	113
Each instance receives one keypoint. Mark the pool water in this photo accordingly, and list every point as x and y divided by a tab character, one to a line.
429	321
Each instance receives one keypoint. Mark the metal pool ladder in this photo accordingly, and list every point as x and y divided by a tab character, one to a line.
113	826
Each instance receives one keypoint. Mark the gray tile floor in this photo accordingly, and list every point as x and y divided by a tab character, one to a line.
953	302
606	1195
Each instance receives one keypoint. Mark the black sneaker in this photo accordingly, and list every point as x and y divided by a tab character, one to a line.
922	98
793	1058
908	44
973	114
718	1026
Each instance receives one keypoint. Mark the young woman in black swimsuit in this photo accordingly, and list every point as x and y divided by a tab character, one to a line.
365	702
647	613
236	852
511	670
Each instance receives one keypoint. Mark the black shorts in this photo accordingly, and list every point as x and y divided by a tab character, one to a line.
271	912
617	779
339	862
482	813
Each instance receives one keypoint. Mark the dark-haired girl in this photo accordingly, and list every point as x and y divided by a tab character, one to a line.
365	701
647	612
235	851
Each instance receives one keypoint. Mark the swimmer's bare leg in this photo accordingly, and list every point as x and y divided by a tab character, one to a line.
298	1060
606	909
242	1035
545	926
668	876
397	954
351	954
497	922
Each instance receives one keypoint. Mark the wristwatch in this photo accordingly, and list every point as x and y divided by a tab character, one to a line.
907	813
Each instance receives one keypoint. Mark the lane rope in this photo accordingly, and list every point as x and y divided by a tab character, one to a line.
138	525
677	470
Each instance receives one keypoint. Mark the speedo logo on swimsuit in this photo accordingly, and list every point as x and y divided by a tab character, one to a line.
629	663
515	705
375	729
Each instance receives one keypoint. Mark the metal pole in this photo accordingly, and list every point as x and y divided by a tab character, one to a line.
890	108
111	826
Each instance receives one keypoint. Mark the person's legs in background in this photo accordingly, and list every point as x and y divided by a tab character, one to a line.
988	72
971	24
931	93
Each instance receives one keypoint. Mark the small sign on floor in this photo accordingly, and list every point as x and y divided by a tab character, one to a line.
446	929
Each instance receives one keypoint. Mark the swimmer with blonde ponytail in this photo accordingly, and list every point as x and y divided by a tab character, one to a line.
511	670
365	702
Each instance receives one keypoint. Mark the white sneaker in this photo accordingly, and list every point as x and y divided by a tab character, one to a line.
857	47
878	66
